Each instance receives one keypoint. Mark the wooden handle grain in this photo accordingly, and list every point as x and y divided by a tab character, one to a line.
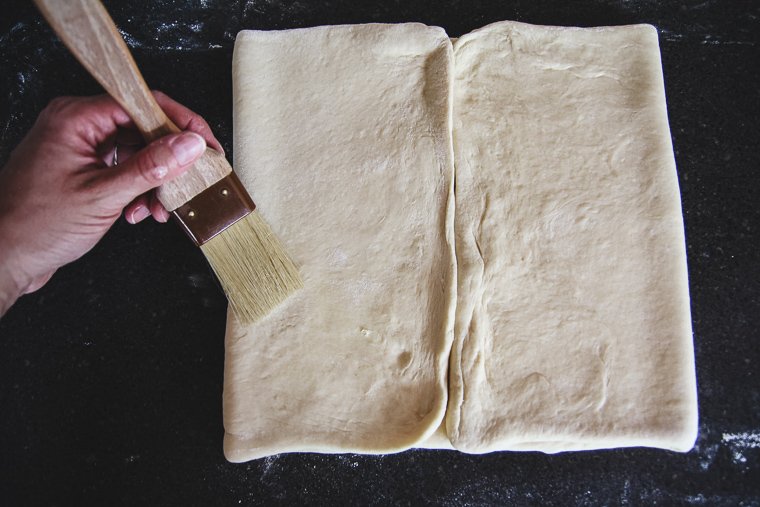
90	34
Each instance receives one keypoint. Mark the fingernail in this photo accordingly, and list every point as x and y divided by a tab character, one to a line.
186	147
139	214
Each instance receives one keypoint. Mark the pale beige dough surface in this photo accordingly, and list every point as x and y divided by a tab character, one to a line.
342	137
572	326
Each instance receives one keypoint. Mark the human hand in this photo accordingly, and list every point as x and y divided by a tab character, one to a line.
59	195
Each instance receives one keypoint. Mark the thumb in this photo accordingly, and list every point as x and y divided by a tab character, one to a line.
159	162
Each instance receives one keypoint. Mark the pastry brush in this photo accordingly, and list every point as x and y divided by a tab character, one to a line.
208	201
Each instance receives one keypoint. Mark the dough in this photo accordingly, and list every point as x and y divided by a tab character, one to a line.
572	325
439	440
342	137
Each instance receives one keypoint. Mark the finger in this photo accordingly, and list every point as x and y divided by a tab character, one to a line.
138	210
144	206
157	163
129	137
117	154
186	119
157	209
106	151
94	119
121	145
124	153
129	142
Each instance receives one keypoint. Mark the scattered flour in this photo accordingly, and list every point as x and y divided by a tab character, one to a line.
267	463
740	443
129	39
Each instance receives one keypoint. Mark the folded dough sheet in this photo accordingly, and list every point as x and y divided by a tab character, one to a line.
343	138
573	328
564	322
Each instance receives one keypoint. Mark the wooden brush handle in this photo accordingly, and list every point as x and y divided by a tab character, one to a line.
90	34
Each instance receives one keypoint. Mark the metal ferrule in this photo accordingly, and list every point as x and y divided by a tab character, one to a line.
215	209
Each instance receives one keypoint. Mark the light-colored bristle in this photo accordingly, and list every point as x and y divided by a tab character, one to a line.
255	271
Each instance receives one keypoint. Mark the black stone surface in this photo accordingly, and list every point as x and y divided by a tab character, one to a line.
111	375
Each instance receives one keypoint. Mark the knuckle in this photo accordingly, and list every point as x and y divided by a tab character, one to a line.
58	103
56	106
60	111
198	124
149	161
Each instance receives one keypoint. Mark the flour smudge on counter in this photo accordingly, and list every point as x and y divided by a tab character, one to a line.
173	36
24	49
740	443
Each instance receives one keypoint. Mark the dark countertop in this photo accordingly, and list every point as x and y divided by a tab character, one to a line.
111	375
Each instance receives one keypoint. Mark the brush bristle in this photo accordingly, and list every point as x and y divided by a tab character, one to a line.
255	271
